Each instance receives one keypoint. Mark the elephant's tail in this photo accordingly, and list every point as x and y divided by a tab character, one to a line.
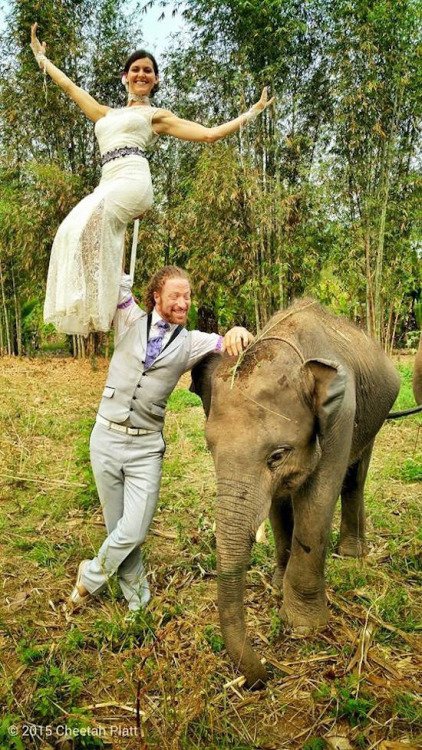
404	413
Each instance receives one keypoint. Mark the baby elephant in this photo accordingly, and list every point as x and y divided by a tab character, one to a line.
290	427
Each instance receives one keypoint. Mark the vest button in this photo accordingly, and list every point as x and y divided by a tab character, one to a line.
131	408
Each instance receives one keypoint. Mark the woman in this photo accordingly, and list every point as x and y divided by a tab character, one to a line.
86	259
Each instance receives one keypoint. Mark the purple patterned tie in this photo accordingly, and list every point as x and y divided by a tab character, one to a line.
155	344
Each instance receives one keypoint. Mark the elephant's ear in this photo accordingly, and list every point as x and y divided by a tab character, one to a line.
201	379
330	380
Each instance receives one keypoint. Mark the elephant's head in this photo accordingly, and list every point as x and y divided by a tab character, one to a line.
266	422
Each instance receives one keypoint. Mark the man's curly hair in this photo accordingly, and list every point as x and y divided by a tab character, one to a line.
158	280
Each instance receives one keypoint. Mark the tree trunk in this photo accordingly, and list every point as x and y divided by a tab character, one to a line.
18	317
385	192
370	316
5	315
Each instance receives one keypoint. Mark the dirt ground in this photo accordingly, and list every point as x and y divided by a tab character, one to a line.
354	685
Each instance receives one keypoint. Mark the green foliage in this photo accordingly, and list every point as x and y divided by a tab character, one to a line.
262	554
55	691
117	636
171	612
276	625
322	693
182	399
361	741
314	743
74	640
214	639
395	607
48	157
407	708
319	196
410	470
405	399
349	574
353	709
30	653
8	740
44	554
79	727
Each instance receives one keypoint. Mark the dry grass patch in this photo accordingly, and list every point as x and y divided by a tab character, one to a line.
357	680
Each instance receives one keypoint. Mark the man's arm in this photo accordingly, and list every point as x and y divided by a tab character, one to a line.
127	311
235	340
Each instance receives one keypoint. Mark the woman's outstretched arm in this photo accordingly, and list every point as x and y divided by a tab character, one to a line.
166	123
89	106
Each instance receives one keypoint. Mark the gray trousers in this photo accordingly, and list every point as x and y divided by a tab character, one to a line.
127	471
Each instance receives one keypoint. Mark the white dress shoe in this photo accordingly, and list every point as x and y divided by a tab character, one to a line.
76	599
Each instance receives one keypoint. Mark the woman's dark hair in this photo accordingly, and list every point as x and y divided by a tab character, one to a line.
137	55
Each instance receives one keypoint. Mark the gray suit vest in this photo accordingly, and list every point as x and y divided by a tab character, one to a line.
141	394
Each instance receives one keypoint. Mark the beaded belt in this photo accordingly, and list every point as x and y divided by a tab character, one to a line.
119	152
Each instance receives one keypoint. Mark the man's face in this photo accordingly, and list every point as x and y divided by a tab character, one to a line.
173	302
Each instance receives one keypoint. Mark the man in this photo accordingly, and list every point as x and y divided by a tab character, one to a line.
152	351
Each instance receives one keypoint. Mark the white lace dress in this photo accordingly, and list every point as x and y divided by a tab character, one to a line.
86	258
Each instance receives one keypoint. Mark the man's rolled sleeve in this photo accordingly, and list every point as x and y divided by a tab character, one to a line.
203	344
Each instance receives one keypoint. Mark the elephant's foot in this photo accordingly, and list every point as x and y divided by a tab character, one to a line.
350	546
278	577
256	676
304	612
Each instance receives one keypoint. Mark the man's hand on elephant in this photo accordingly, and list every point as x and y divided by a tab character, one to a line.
236	340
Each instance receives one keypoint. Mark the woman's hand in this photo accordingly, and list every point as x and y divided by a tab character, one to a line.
89	106
37	47
264	102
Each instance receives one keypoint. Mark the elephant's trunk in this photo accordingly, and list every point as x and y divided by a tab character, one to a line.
235	533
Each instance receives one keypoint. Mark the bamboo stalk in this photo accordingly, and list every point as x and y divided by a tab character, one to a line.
18	323
6	318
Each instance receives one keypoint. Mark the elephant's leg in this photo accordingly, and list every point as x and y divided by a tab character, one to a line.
304	601
352	529
281	519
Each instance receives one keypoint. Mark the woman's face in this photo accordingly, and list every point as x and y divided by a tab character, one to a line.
141	77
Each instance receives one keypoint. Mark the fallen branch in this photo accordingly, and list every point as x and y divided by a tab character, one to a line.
42	480
113	704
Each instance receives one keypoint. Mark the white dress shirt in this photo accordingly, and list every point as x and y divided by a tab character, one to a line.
128	312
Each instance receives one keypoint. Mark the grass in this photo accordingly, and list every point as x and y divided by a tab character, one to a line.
87	671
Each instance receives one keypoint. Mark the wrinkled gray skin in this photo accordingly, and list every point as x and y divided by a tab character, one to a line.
292	431
417	374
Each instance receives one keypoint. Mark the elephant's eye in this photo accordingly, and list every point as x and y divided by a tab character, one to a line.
277	455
